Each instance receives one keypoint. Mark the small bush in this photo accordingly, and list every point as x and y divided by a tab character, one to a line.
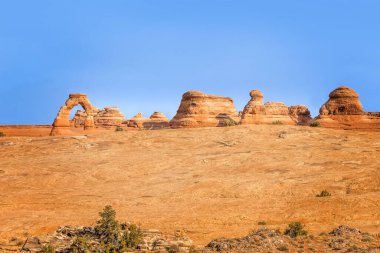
119	129
323	193
80	245
315	124
48	248
107	227
133	236
2	134
295	229
261	223
277	122
229	122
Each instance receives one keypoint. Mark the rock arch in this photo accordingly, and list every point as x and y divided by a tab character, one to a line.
62	121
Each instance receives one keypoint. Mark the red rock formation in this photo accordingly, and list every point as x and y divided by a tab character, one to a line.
344	110
137	121
256	112
200	110
109	116
61	123
156	121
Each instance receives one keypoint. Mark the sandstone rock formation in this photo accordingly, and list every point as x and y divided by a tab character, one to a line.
344	110
156	121
201	110
137	121
61	123
256	112
109	116
90	118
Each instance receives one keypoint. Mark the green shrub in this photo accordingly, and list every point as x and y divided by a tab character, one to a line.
48	248
323	193
229	122
107	227
119	129
132	236
277	122
80	245
261	223
295	229
2	134
315	124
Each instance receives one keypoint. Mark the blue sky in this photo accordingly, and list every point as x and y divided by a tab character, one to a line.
142	55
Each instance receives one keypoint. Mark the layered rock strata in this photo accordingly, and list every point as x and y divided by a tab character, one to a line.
344	110
201	110
156	121
256	112
61	124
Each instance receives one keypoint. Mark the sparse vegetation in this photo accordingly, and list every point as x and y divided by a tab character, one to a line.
2	134
229	122
295	229
48	248
119	129
315	124
323	193
277	122
193	249
80	245
133	236
261	223
108	229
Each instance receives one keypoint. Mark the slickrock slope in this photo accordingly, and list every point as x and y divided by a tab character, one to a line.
256	112
210	182
201	110
344	110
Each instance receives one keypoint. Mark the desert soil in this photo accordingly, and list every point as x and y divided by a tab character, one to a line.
209	182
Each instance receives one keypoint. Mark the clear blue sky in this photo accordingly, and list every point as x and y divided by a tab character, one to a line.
142	55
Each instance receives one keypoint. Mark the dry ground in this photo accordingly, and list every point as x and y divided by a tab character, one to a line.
210	182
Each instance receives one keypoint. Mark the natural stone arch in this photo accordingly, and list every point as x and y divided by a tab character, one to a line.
62	121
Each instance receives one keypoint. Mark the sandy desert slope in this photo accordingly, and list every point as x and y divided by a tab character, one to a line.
210	182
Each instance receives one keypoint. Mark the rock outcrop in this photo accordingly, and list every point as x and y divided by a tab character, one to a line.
109	116
256	112
152	240
137	121
156	121
90	118
201	110
344	110
62	123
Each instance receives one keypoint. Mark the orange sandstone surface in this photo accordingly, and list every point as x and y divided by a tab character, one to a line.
210	182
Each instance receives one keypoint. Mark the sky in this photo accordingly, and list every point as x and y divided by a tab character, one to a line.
142	55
